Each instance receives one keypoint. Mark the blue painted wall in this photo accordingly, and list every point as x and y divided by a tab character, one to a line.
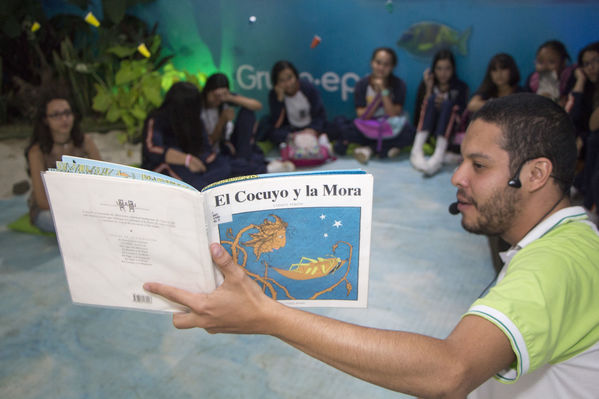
210	35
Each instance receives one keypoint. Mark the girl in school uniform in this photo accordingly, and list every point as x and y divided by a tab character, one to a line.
440	100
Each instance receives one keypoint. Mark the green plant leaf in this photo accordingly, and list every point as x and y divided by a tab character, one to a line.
131	70
193	79
138	113
128	119
122	51
113	113
102	100
125	99
156	41
151	86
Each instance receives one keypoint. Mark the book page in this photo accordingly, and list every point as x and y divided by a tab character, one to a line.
116	234
305	237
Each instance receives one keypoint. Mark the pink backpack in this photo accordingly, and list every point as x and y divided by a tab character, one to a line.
303	149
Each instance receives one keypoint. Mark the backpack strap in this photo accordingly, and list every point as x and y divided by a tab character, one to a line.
371	105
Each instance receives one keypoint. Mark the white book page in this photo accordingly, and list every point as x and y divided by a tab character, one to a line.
304	238
115	234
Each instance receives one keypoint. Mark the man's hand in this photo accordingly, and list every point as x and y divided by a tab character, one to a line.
237	306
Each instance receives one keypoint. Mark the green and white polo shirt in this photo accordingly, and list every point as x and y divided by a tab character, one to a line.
546	301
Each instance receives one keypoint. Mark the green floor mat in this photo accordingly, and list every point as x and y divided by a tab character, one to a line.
23	225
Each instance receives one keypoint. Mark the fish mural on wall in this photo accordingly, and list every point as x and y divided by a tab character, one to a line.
424	39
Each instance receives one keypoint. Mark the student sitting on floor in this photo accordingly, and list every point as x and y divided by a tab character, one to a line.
584	110
381	125
552	75
56	132
175	142
294	105
235	139
440	100
501	79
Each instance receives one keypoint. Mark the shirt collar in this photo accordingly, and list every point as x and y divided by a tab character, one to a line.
560	217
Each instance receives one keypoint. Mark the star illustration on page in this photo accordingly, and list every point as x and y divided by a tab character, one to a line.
322	216
337	223
325	235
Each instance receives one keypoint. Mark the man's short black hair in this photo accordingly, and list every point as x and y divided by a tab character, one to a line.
534	126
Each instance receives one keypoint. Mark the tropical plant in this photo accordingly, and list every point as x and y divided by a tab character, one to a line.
138	88
63	49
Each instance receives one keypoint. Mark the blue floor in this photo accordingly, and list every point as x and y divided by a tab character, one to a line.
425	271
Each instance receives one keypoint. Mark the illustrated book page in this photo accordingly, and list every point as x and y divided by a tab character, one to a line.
304	237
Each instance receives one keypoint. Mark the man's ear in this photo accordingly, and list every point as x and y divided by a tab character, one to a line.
538	173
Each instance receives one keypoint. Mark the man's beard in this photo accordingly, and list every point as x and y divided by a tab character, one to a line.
496	215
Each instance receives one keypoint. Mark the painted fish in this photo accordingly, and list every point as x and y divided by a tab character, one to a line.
424	39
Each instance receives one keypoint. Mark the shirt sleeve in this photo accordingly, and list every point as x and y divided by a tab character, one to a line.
155	142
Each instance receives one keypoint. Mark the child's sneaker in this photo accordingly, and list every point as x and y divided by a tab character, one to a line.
362	154
277	166
393	152
323	140
288	166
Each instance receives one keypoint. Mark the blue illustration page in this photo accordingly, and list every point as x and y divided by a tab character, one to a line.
303	237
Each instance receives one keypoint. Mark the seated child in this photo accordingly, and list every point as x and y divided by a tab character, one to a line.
440	100
552	73
175	141
235	139
294	105
501	79
584	110
56	132
379	99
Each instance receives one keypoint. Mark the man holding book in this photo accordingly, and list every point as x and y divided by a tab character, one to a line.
537	328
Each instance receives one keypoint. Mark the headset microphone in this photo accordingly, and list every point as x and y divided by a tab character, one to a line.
453	208
515	180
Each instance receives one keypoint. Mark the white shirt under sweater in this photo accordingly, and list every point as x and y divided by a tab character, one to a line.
210	118
298	109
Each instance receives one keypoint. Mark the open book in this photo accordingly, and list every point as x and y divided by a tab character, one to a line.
304	236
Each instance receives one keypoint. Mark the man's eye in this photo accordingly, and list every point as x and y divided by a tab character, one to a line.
477	165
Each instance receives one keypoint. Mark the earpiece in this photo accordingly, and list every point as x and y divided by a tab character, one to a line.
515	180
